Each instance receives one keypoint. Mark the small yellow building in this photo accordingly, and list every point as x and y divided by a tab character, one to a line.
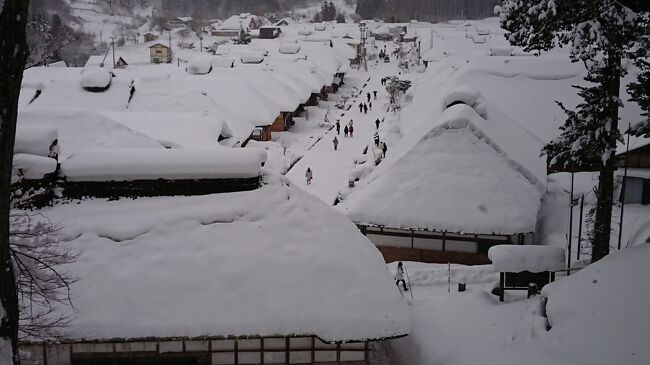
160	53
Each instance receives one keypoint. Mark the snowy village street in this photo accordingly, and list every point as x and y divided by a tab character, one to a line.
194	204
331	167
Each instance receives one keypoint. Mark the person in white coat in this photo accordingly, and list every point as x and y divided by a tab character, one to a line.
399	275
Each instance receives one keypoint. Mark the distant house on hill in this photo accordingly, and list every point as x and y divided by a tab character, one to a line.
179	22
283	22
269	32
160	53
150	37
233	26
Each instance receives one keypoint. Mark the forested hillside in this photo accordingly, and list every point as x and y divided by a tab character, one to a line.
425	10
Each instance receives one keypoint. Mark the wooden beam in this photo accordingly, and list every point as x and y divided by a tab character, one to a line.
502	280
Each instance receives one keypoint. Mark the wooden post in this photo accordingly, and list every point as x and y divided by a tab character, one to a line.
236	352
366	354
620	222
45	354
582	205
570	226
286	350
313	349
338	353
262	351
502	284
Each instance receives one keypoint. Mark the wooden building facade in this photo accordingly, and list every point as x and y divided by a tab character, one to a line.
202	351
159	53
438	246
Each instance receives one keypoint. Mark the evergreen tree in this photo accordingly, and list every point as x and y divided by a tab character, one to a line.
640	90
340	18
601	34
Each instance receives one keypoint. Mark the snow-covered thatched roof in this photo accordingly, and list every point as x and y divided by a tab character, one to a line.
225	264
466	174
168	164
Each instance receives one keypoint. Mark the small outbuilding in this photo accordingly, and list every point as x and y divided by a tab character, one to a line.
269	32
160	53
528	267
150	37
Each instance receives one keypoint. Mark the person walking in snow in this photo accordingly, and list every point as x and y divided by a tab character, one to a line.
377	123
384	148
338	127
351	123
336	142
309	175
351	131
365	108
345	130
368	96
375	94
370	105
376	137
399	276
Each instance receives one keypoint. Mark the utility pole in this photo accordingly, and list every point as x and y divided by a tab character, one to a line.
620	223
113	46
570	223
101	46
171	54
582	206
363	28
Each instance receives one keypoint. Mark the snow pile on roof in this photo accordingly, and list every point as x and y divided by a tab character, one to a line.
58	64
466	182
344	49
199	65
169	164
174	129
516	258
32	167
223	62
252	56
468	96
505	51
237	22
226	264
289	48
35	139
320	27
600	313
97	61
83	129
96	79
304	31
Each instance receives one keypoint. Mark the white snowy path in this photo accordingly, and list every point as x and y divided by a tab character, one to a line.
331	168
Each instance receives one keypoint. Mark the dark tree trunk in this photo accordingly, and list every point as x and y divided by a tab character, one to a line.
603	219
13	55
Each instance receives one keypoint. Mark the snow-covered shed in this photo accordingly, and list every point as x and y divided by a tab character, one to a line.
479	183
256	292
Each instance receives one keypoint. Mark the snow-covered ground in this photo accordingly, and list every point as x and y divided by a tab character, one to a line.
596	316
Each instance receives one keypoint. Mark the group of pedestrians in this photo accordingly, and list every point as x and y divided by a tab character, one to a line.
348	129
363	107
